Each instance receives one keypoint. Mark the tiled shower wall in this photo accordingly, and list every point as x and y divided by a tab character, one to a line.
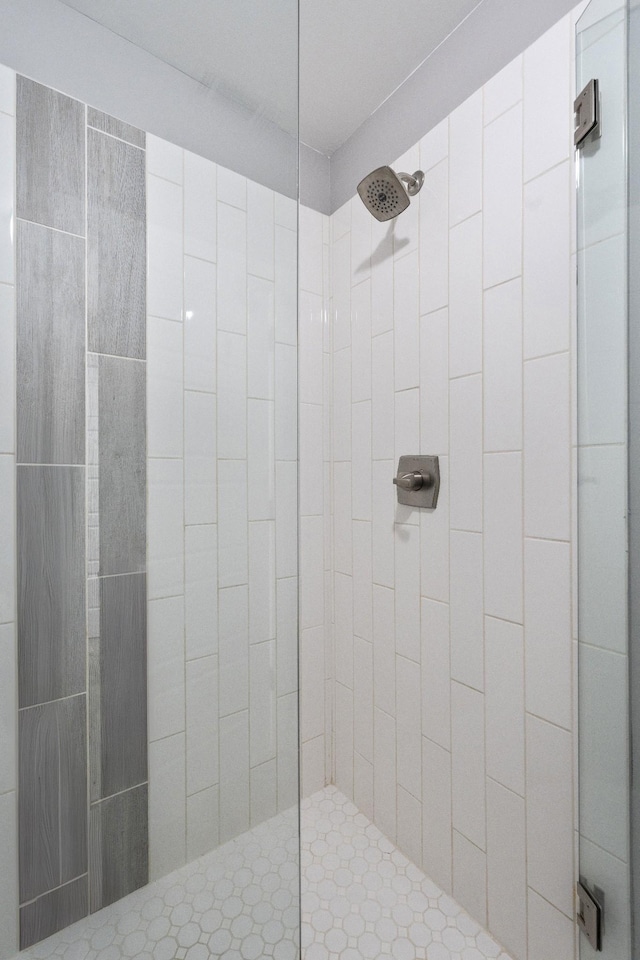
454	684
191	363
221	418
81	509
316	587
223	596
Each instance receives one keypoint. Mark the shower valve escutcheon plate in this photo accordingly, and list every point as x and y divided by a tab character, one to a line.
418	481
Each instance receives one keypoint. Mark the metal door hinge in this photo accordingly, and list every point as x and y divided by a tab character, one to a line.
590	913
587	113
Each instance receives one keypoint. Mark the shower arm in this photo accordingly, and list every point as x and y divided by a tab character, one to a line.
413	181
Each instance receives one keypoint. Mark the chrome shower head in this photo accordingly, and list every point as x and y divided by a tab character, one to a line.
385	195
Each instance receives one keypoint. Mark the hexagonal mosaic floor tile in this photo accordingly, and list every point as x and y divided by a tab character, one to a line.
361	900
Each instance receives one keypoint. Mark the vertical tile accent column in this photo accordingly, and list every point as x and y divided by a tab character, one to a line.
8	686
80	227
116	497
50	317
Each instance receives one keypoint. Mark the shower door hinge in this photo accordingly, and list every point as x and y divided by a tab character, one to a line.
590	913
587	113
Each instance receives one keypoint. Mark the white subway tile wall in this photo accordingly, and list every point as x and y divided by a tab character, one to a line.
321	716
222	422
453	680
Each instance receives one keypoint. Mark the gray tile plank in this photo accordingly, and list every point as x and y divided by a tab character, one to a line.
39	802
50	131
122	465
115	127
50	314
72	725
123	683
51	583
54	911
116	247
52	795
119	847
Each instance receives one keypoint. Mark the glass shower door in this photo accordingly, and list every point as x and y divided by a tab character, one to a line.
602	457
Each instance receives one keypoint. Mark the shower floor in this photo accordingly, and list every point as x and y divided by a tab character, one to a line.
361	899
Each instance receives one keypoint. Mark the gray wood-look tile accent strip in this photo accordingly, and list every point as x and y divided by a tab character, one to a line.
119	854
50	306
72	722
51	583
54	911
116	247
122	465
52	795
117	128
122	678
50	131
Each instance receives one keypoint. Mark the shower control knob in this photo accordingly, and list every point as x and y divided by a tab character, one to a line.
413	481
417	481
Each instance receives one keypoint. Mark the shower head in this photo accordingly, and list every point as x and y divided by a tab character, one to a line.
385	195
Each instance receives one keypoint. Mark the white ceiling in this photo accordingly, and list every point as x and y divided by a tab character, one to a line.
353	53
245	49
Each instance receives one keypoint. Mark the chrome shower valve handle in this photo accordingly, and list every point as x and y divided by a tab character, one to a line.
417	481
414	481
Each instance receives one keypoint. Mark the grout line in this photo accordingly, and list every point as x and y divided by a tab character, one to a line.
47	703
482	471
158	176
543	173
547	356
87	482
196	793
46	894
184	510
504	786
113	136
120	793
449	446
551	723
168	736
470	216
522	707
464	376
114	576
549	903
503	283
45	226
512	106
195	256
115	356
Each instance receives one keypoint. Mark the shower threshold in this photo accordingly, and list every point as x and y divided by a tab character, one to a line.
361	899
